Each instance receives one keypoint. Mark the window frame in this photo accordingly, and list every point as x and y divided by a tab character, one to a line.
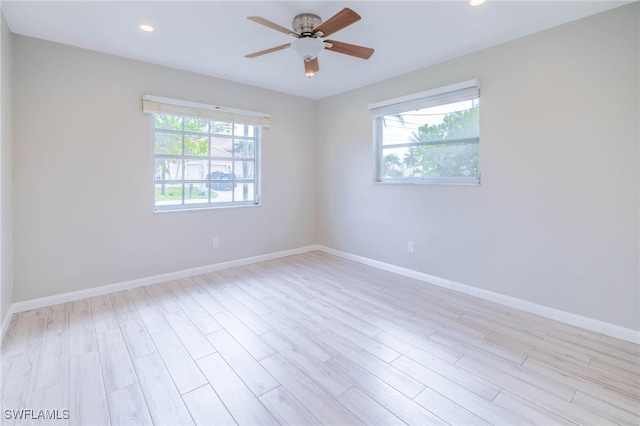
232	118
444	95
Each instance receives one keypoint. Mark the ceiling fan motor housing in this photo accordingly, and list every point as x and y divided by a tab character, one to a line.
304	24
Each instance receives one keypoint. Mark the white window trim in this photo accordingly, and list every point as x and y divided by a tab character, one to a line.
424	99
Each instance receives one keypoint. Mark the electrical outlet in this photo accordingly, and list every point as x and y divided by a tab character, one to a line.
410	247
215	242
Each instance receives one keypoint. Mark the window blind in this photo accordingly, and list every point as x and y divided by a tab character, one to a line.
442	95
160	105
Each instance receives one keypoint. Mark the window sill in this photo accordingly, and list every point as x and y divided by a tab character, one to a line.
195	209
438	182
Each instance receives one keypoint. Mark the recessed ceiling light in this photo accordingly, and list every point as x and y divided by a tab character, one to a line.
145	27
476	2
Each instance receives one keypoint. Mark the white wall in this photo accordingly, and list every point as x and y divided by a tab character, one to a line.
6	168
83	173
555	221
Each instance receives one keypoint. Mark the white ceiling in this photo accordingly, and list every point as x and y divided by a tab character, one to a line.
212	37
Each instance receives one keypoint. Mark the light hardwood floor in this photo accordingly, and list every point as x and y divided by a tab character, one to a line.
311	339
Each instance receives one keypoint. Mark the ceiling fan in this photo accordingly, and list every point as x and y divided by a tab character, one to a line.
310	31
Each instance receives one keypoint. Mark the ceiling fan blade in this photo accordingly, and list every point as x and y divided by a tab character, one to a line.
340	20
273	26
311	66
349	49
264	52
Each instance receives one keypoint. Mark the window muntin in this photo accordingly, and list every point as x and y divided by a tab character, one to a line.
431	137
201	162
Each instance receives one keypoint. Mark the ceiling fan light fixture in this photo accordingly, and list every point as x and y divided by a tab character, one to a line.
476	2
307	47
309	70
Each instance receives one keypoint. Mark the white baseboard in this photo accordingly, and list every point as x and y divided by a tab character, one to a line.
597	326
110	288
5	322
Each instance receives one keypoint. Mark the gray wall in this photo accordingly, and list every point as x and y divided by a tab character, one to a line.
555	221
83	173
6	168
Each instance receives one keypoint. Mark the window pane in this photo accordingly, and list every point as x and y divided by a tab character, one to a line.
168	143
221	128
220	196
220	166
244	169
459	120
393	163
196	145
196	125
168	194
196	193
221	177
244	149
451	160
221	147
196	169
452	121
166	121
168	169
431	161
395	130
243	130
244	192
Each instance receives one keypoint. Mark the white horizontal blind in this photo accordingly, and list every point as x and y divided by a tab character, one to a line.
160	105
442	95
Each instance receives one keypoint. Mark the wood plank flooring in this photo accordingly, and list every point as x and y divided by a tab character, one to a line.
310	339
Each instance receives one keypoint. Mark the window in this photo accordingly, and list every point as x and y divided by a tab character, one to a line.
429	137
204	155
